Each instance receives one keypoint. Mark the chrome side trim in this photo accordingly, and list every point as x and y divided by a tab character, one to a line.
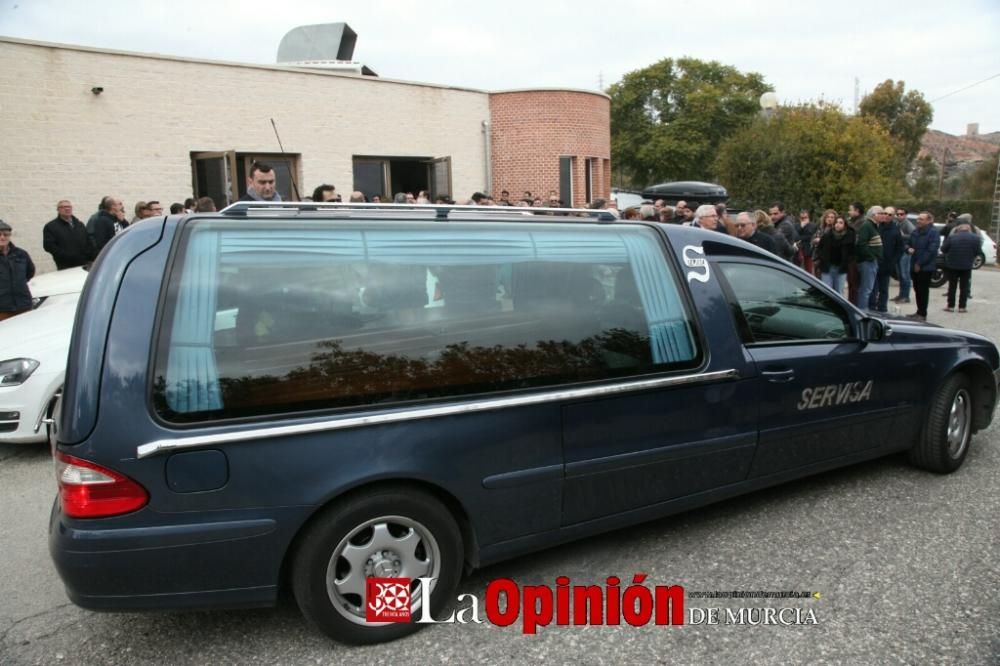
146	450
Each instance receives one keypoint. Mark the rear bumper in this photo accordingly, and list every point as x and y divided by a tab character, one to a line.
108	565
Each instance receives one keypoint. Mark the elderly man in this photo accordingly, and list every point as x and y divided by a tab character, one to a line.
707	217
868	250
892	248
16	269
746	228
65	238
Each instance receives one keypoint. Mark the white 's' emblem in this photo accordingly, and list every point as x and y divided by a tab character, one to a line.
694	257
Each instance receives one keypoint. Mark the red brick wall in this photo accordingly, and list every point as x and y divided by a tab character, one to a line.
532	129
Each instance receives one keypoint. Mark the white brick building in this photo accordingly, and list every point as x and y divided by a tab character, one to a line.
168	128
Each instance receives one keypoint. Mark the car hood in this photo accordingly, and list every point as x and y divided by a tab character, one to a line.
908	330
40	333
68	281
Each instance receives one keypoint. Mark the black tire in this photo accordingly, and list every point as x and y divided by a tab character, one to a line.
978	262
944	440
367	526
938	278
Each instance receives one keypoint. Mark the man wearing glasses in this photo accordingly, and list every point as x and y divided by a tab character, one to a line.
16	268
746	228
707	218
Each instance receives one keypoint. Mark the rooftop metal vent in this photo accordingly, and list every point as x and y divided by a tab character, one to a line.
322	46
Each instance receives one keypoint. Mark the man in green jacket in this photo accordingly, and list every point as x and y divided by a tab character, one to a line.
868	249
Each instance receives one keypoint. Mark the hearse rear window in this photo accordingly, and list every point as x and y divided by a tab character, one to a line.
268	317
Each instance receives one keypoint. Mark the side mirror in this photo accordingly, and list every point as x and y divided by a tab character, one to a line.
874	330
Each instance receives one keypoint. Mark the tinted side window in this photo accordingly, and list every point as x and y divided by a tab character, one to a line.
776	306
291	316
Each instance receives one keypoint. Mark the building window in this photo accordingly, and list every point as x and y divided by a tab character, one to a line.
566	180
385	176
588	180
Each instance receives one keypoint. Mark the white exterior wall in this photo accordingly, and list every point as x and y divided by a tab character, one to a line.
135	139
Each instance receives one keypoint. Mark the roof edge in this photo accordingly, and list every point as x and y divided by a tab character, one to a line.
282	68
230	63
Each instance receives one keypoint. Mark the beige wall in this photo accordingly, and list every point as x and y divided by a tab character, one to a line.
135	139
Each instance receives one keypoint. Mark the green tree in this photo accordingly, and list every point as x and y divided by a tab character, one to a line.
810	157
668	119
906	116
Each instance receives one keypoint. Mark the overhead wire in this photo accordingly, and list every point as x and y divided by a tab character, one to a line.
973	85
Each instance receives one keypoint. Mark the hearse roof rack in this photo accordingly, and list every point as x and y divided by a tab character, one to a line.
438	211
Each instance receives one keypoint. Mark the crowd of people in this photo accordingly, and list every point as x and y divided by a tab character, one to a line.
861	251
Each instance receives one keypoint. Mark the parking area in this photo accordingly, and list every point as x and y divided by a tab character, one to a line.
905	564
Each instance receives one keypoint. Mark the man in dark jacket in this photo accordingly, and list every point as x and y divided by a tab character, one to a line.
923	249
746	228
106	222
892	249
261	184
66	239
960	249
16	268
787	227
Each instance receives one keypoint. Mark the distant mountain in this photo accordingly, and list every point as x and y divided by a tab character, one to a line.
992	137
959	153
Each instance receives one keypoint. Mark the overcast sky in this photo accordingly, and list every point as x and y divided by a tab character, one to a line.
806	52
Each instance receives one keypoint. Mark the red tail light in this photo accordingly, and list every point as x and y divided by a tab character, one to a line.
87	490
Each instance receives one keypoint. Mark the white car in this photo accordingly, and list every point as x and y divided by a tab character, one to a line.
989	250
33	351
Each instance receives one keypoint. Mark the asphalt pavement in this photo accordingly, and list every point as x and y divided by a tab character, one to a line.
906	564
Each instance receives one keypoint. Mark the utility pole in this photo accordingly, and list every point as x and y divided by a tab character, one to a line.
944	157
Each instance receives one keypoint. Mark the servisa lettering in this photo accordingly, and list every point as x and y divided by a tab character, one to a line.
835	394
535	605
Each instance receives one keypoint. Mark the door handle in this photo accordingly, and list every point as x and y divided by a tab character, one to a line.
779	376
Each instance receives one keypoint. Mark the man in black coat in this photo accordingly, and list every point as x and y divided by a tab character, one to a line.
16	268
960	249
106	222
786	226
892	250
66	238
746	228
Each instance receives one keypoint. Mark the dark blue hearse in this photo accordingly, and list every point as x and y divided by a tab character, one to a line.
310	396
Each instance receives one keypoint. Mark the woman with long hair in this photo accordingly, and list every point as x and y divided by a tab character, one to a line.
826	222
835	249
